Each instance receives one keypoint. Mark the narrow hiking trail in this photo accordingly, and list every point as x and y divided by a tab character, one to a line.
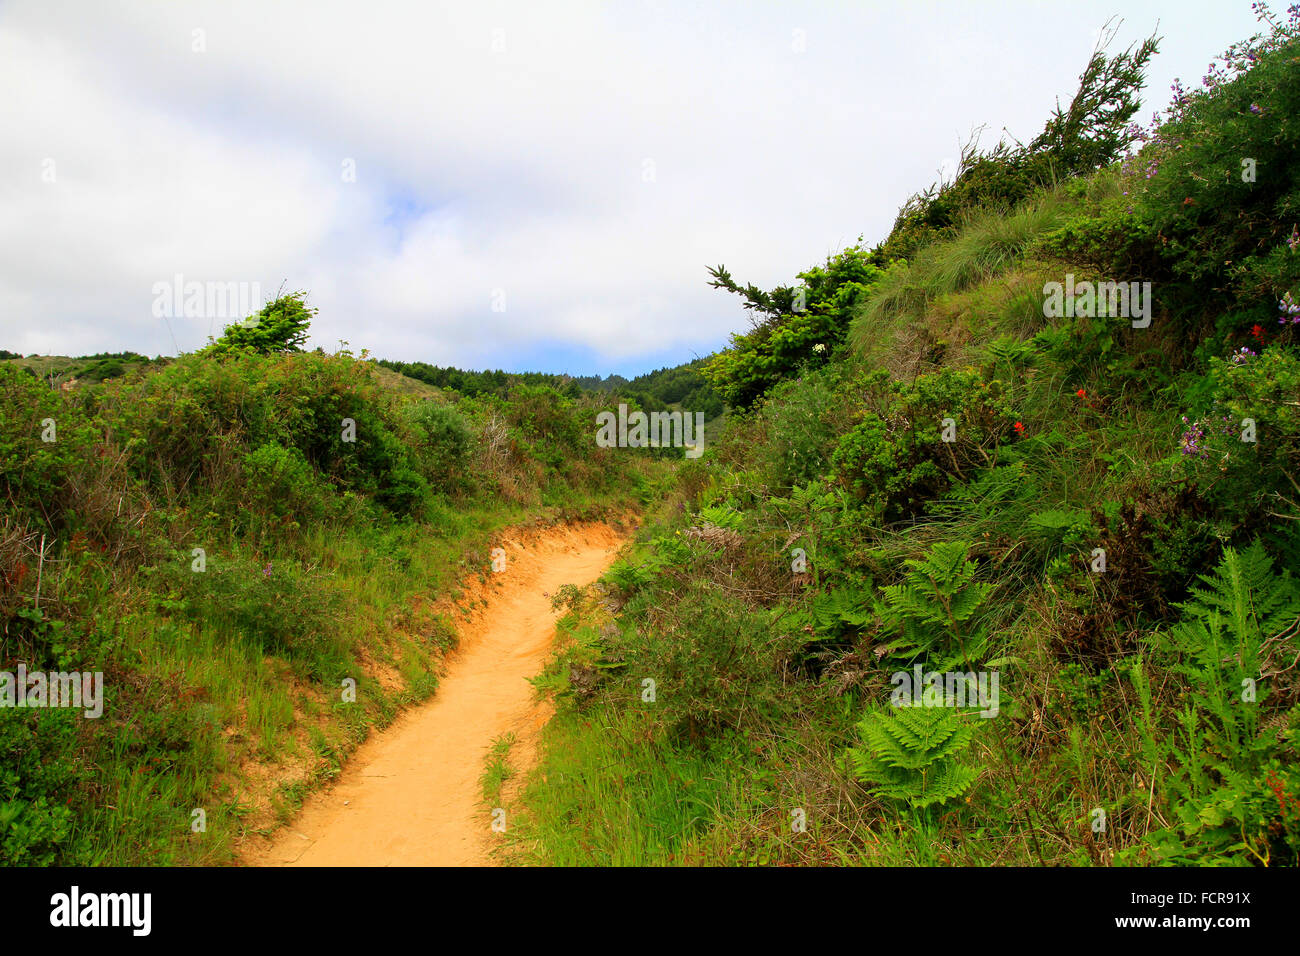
410	795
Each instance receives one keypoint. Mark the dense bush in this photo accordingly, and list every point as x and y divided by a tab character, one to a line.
919	437
798	327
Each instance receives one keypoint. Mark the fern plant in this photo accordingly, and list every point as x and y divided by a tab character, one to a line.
1010	353
1233	788
724	516
843	608
1225	626
913	754
936	607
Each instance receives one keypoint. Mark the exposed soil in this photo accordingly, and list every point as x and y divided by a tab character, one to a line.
410	795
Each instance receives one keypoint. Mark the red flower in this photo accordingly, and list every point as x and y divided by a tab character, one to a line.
1257	331
1082	393
1020	429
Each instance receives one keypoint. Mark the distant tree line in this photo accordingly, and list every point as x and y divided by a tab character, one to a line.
682	386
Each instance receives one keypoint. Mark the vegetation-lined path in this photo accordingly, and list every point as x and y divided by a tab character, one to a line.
411	795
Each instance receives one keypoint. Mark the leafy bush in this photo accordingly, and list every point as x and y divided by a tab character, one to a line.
798	328
279	326
445	446
712	662
1207	206
1243	449
274	606
281	483
896	460
40	769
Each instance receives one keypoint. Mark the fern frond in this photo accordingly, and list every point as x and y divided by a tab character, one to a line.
913	754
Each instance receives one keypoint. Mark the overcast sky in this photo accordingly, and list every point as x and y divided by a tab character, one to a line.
526	185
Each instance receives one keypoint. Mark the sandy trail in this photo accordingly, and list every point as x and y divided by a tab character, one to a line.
410	795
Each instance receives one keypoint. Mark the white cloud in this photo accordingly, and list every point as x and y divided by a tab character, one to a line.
517	167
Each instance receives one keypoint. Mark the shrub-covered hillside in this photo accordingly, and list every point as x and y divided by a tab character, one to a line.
229	539
976	460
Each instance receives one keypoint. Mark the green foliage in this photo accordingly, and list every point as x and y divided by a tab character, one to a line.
794	328
1226	624
681	387
1234	789
1244	480
281	483
895	460
914	755
712	662
475	384
279	326
1207	206
1089	133
803	417
446	445
40	769
935	611
277	607
33	472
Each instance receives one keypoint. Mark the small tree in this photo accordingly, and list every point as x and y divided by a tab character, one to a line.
280	326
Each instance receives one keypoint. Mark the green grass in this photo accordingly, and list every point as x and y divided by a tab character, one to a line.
497	769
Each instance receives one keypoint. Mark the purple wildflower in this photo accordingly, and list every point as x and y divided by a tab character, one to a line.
1190	443
1290	310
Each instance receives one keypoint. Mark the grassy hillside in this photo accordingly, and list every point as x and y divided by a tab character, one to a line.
257	552
936	468
59	370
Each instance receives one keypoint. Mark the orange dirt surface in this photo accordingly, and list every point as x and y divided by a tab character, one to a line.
410	795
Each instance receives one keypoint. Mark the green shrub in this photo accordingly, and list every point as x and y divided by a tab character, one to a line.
445	445
281	483
896	460
713	664
276	607
40	770
1243	479
799	329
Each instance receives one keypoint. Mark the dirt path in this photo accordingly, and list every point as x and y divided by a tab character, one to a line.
410	795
